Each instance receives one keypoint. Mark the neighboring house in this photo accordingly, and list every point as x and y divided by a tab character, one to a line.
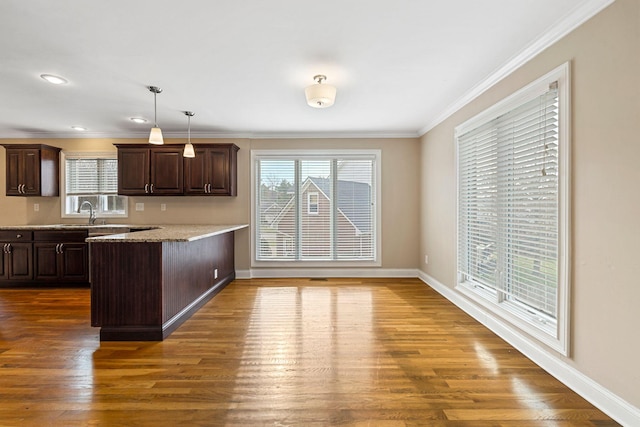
353	227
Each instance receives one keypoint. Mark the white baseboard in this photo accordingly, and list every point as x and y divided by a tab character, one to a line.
609	403
264	273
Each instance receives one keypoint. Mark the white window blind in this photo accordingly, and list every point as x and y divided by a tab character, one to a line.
315	208
509	210
91	176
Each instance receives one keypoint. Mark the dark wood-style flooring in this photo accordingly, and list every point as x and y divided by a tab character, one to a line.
294	352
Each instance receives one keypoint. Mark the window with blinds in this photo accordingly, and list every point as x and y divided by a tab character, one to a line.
511	196
93	179
316	206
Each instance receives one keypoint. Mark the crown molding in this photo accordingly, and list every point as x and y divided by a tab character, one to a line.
564	26
200	135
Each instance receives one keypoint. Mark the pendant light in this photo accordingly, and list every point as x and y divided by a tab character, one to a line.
155	137
320	95
188	147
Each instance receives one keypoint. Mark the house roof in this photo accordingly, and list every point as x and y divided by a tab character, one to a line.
354	200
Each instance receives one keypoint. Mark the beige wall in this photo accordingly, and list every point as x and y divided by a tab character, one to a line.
605	59
400	161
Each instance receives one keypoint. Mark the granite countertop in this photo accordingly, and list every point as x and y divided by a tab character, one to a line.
169	233
148	233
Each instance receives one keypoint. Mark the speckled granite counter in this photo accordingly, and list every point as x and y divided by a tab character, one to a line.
169	233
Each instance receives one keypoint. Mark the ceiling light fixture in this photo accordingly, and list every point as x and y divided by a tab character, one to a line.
56	80
320	95
78	128
138	120
155	137
188	147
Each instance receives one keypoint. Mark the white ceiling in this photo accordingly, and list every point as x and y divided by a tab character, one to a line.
400	66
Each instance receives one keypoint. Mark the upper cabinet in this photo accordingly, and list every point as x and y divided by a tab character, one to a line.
145	170
213	172
32	170
150	171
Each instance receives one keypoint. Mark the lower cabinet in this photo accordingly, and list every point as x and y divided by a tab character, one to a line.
47	257
16	261
60	256
60	261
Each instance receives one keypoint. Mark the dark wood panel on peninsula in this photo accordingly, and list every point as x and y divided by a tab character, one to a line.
142	291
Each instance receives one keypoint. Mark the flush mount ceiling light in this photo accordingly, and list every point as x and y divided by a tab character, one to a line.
138	120
188	147
320	95
155	137
56	80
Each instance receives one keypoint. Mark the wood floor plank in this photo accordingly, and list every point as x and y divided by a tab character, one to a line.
277	352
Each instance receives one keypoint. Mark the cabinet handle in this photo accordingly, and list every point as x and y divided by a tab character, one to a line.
8	248
208	188
61	245
151	187
146	188
4	248
18	236
20	188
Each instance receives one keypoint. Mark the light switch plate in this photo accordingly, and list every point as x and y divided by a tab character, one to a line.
163	206
139	206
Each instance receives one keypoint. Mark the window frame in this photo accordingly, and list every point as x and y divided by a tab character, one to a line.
311	154
63	185
554	334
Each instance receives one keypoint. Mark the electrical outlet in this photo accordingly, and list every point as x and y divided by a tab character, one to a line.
36	207
139	206
163	206
426	259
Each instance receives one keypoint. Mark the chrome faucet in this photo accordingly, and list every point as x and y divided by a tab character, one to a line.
92	213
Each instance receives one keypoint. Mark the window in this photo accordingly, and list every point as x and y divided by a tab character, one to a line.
316	207
312	203
92	177
512	208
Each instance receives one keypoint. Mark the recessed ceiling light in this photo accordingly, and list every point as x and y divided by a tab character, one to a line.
56	80
78	128
138	120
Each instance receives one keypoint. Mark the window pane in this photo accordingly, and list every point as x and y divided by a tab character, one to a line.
355	221
316	237
276	207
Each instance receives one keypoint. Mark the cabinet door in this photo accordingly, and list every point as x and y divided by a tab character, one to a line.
31	172
219	171
4	265
46	261
196	172
73	262
133	171
20	261
14	168
166	171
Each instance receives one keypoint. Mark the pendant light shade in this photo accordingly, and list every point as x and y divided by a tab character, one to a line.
320	95
155	137
188	147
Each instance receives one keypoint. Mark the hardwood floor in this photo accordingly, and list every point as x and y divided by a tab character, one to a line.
352	352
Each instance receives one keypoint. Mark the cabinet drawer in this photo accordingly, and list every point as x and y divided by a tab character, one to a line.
15	235
60	236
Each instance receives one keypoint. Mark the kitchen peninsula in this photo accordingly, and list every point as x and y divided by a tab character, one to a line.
147	283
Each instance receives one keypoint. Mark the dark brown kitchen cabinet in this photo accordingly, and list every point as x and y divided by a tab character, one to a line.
32	170
213	171
16	262
61	256
150	171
